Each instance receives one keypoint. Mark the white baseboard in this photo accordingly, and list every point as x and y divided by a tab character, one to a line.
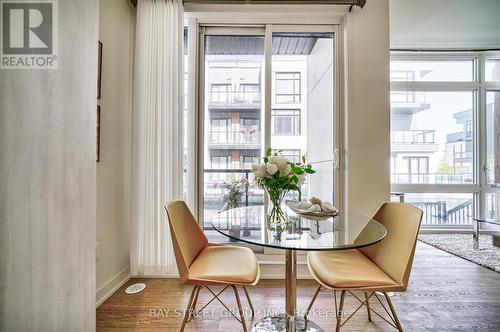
112	286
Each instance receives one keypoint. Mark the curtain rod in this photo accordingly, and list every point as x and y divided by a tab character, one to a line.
359	3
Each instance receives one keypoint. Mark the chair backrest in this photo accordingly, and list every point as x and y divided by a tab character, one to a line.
188	238
394	254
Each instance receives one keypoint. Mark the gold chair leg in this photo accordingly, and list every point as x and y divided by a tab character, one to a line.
368	307
189	306
312	302
249	301
339	313
193	306
240	309
393	311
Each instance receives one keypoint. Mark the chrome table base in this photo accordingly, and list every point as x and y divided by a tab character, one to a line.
288	322
279	323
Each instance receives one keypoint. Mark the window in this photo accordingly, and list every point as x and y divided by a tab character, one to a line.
250	93
219	162
220	131
492	70
220	93
285	122
241	116
434	126
232	124
246	162
417	165
287	88
432	70
442	107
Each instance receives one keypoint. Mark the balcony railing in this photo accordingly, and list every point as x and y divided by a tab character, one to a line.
436	211
413	137
431	178
462	155
235	97
234	137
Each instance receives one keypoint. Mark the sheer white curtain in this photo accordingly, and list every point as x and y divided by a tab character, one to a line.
157	156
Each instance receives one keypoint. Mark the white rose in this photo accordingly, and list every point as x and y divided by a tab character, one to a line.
285	170
254	167
261	171
272	169
278	161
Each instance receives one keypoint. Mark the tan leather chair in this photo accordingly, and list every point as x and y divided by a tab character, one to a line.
382	267
202	264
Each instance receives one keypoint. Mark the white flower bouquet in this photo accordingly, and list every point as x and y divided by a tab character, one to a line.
278	176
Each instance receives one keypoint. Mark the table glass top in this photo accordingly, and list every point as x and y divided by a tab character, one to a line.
345	231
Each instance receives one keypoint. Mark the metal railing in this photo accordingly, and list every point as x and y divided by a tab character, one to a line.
234	97
436	212
234	136
462	155
413	137
431	178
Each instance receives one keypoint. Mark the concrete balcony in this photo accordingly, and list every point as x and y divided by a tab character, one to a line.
241	139
414	141
234	100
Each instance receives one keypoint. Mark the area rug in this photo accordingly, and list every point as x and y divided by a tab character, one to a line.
461	245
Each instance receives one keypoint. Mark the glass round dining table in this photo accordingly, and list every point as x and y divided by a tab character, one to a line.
346	230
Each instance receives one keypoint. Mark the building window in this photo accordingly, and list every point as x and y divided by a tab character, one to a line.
220	131
246	162
416	169
285	122
220	93
287	89
250	93
417	165
220	162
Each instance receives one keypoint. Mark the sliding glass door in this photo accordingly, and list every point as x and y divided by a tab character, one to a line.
264	86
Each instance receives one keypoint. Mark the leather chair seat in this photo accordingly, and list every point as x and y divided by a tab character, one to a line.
347	269
225	264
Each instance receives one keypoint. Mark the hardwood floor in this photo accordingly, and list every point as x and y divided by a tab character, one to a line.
446	293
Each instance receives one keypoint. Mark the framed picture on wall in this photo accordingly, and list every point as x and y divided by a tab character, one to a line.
99	70
98	134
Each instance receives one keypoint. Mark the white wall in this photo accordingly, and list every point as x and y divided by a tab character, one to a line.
113	171
367	107
445	23
321	127
47	191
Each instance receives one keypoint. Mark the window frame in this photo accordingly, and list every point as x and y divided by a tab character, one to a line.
266	30
479	188
295	115
294	94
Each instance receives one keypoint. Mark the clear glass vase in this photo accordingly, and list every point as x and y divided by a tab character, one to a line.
276	213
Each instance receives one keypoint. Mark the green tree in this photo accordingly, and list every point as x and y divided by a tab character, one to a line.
444	167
